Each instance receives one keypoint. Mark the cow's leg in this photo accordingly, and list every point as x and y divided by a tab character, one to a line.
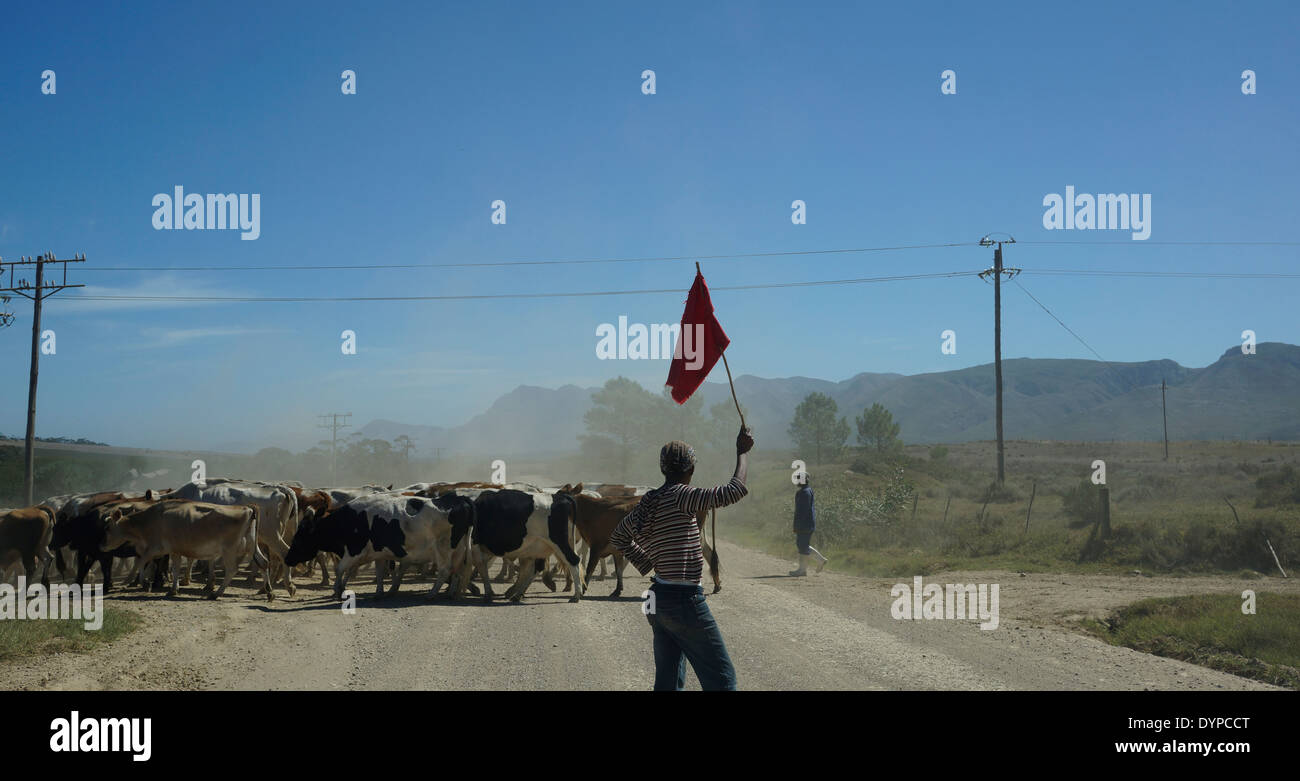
84	563
253	571
288	576
504	574
619	563
133	577
483	559
592	561
212	576
443	576
230	563
189	572
397	578
160	567
547	577
176	574
527	571
345	570
324	569
29	567
105	569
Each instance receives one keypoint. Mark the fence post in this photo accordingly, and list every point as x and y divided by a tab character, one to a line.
1105	512
1032	492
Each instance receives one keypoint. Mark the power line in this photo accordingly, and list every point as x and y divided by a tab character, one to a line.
1130	386
1168	274
1132	243
1062	323
551	262
483	296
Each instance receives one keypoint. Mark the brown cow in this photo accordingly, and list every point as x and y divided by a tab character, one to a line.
25	536
196	530
598	516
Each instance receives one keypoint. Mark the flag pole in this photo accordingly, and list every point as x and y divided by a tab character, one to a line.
727	366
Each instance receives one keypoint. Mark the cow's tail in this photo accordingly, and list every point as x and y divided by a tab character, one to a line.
258	556
558	527
290	525
43	544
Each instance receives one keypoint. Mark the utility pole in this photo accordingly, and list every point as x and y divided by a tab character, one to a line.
997	271
334	425
36	294
1164	415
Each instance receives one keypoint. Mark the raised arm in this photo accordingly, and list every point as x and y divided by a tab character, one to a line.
697	499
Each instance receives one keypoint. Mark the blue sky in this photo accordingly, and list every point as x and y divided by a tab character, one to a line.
540	105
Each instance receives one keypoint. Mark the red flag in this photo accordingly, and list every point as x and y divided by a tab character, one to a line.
699	343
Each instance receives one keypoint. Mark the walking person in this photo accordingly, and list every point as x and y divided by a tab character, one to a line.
661	534
805	523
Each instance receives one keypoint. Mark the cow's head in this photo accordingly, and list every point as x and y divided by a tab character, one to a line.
115	533
460	514
306	541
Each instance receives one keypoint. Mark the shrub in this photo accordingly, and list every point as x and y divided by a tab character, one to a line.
1278	488
1082	504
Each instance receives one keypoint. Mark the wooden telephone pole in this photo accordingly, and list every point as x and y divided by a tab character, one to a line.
37	293
996	272
331	421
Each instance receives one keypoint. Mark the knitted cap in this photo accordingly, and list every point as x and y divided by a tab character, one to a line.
676	458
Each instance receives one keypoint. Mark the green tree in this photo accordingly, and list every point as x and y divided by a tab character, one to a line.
877	429
815	428
624	418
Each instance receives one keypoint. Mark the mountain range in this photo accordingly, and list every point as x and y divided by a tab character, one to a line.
1241	396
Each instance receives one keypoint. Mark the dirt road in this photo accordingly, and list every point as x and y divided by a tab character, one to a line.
826	631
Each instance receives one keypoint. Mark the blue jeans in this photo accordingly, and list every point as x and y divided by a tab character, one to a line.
684	629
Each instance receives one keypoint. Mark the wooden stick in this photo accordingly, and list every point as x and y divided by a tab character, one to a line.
1234	511
1275	561
727	366
733	389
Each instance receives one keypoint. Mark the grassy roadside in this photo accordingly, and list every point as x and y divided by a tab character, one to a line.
21	638
914	514
1210	630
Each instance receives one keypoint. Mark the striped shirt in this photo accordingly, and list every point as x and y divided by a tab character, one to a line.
661	533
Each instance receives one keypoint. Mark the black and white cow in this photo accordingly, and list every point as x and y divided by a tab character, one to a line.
84	533
389	527
525	526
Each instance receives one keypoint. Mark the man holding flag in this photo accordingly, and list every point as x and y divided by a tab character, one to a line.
661	532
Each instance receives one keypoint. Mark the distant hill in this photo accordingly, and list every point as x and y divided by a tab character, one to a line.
1238	396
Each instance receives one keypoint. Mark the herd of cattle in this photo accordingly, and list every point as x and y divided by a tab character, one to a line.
453	531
